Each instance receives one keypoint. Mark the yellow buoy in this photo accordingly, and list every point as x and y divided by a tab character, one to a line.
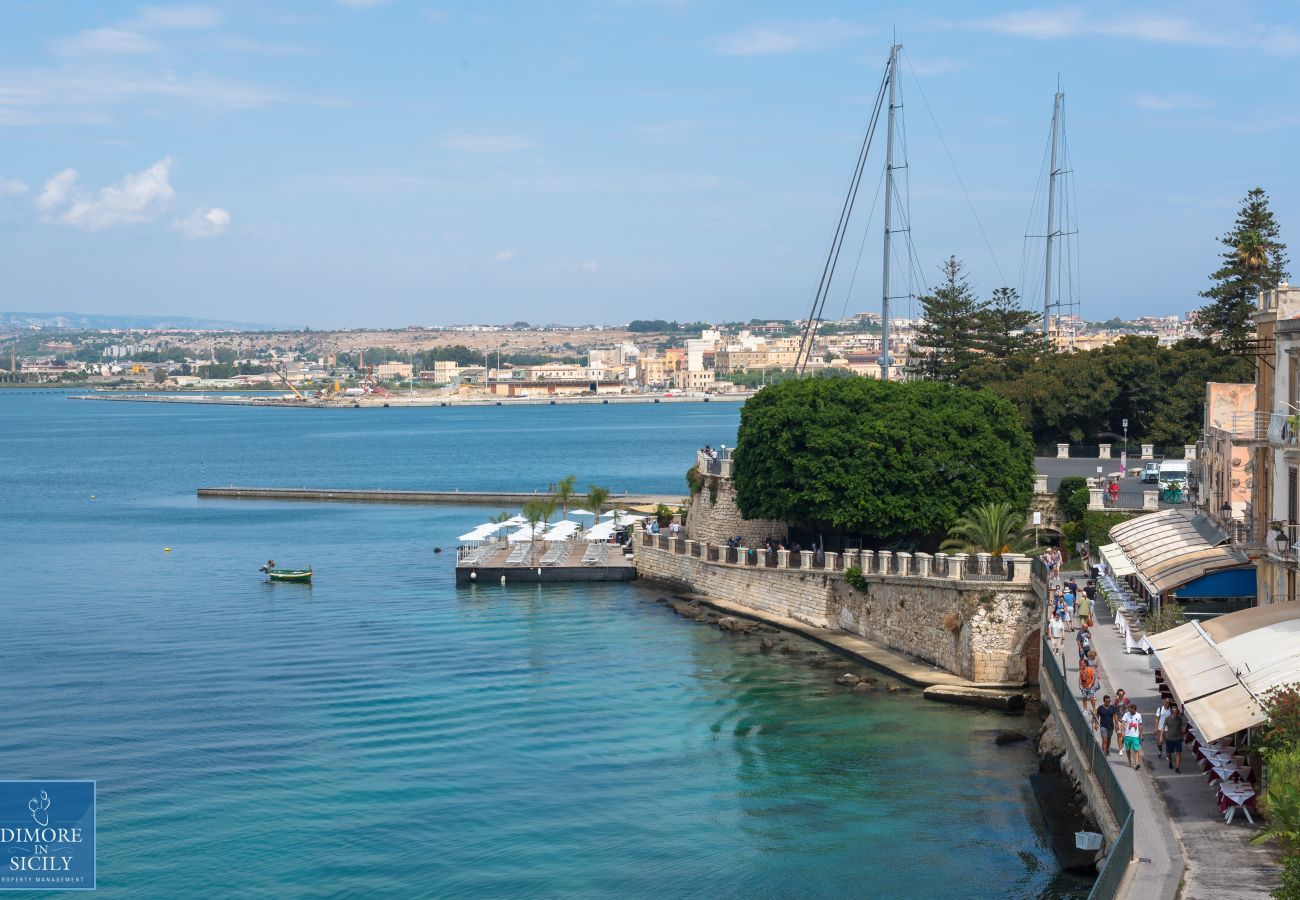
167	549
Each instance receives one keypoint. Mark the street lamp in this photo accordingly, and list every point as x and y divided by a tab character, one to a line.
1123	465
1281	539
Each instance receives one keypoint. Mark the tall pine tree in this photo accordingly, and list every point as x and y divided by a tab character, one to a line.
1254	260
947	340
1006	328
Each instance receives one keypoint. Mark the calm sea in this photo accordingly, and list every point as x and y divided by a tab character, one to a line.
385	733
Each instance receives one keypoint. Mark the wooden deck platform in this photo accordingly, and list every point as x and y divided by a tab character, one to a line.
539	564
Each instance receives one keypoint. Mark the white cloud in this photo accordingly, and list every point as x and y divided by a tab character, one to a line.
138	197
56	191
589	265
204	223
504	255
10	187
179	17
38	97
1170	102
106	42
484	142
765	40
1071	21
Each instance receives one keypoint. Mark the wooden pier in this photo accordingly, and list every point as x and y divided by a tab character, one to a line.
545	562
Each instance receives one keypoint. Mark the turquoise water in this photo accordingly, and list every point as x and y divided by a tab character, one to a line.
383	732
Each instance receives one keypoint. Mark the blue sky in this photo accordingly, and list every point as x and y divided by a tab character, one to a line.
392	163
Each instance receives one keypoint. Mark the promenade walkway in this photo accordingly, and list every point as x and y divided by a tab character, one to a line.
1180	838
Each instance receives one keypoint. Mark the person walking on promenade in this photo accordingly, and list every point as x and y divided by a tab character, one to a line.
1084	639
1175	728
1056	630
1132	723
1162	716
1083	604
1069	610
1106	722
1113	490
1088	684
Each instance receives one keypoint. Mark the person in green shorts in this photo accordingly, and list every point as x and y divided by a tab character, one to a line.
1132	723
1084	610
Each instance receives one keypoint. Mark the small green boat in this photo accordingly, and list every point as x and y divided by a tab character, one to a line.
299	575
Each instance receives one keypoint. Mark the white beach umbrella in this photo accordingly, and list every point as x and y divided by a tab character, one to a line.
561	531
481	533
623	513
526	534
581	512
602	532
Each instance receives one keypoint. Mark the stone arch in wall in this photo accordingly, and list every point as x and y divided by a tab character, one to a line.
1030	650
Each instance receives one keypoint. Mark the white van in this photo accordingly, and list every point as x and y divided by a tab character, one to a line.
1173	470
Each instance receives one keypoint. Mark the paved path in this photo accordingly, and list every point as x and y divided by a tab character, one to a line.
1220	861
1178	830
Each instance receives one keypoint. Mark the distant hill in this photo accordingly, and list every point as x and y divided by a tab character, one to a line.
91	321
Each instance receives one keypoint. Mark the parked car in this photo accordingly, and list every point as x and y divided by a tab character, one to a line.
1151	473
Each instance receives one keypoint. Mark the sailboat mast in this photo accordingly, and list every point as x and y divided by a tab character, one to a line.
889	210
1051	220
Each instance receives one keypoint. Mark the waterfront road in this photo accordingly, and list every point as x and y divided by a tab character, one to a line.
1130	488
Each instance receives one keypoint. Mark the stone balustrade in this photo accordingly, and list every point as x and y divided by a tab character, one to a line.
983	567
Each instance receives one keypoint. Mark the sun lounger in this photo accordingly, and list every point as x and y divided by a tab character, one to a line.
517	555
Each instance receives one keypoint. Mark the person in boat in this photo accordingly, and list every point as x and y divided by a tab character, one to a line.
270	564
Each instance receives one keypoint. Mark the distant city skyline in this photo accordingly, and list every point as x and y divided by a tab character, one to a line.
377	164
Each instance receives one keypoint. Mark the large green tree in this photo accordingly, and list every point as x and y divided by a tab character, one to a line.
884	460
1084	397
1004	328
1253	259
947	341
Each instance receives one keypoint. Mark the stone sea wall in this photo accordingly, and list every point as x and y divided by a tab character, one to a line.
964	619
713	516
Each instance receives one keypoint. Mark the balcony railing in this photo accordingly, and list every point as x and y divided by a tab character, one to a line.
1276	428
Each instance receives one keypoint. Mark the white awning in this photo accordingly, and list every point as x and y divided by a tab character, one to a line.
1116	560
1219	669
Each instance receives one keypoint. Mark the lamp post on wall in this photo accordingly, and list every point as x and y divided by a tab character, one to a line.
1123	457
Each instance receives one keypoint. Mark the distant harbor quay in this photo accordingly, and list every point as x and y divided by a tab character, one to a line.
400	400
380	495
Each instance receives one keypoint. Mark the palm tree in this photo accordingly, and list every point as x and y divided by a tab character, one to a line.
499	518
597	497
1252	252
564	491
995	528
535	512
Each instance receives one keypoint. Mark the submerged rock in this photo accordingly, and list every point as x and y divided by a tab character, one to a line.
862	687
767	643
1009	737
848	678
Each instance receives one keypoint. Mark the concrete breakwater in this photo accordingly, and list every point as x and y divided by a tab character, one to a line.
381	495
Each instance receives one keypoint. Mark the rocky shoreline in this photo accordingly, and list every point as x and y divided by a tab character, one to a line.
1065	806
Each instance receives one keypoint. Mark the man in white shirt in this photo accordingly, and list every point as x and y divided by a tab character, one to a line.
1056	630
1132	723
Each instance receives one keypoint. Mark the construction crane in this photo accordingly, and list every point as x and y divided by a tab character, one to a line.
285	378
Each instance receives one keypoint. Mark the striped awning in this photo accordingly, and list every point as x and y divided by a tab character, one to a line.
1171	548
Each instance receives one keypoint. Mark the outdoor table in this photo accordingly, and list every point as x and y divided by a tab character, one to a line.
1224	771
1234	796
